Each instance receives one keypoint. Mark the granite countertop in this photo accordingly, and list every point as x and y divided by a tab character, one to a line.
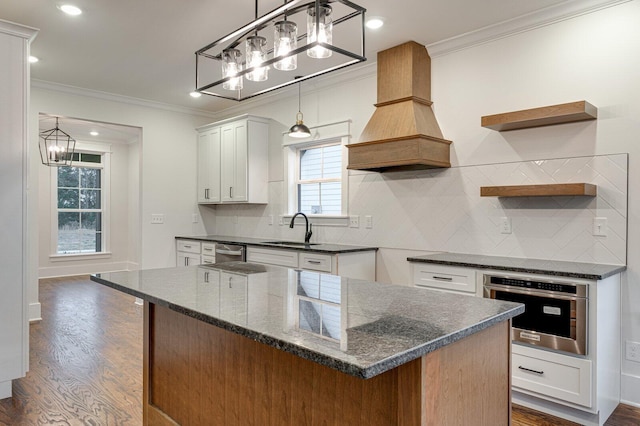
590	271
366	328
275	243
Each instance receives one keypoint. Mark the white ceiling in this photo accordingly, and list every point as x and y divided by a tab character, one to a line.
80	130
145	48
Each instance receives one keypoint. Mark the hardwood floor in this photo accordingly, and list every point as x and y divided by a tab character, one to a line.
86	363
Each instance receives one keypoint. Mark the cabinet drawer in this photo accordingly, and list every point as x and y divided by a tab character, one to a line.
189	246
449	278
273	257
315	262
208	260
209	249
549	374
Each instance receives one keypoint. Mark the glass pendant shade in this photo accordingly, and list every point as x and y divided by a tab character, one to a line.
231	65
323	33
284	41
256	55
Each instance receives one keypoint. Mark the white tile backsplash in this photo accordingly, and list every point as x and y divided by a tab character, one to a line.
441	210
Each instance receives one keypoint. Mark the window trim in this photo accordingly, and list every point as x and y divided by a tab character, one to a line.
87	148
321	135
298	181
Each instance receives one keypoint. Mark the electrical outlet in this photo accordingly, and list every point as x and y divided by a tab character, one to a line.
505	225
633	351
354	221
600	226
368	221
157	218
194	218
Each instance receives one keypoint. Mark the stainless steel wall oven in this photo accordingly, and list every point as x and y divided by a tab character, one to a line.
556	312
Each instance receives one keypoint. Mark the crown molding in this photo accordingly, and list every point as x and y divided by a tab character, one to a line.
18	30
521	24
79	91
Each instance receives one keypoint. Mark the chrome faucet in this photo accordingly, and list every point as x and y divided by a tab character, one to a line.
307	231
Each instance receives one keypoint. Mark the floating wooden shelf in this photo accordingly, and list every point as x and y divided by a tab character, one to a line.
548	190
543	116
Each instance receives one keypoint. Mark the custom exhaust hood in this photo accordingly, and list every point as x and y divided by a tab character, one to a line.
403	133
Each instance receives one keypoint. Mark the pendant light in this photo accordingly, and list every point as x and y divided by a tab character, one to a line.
299	130
319	29
231	66
56	147
285	39
256	48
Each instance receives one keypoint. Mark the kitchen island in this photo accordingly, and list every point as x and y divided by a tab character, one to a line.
242	343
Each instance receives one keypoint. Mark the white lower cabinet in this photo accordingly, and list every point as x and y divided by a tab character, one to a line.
359	265
193	252
552	375
449	279
233	291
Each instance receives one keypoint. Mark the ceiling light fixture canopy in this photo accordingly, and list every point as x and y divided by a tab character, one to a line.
56	147
299	130
273	40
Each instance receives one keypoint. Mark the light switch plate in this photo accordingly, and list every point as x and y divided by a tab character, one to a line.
600	226
368	221
194	218
157	218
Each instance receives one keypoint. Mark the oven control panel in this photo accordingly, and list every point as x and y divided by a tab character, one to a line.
534	285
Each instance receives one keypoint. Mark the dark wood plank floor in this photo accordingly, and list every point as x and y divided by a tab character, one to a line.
86	363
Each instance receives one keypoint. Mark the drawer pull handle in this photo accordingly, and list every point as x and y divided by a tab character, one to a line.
435	277
187	246
314	262
530	370
208	249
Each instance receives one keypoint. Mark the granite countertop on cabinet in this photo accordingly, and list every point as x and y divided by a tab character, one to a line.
381	327
590	271
281	244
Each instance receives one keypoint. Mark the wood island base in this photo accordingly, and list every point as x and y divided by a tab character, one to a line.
199	374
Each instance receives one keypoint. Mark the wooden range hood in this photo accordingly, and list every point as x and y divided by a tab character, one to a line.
403	133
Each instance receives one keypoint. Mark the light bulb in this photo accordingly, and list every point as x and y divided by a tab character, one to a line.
256	55
231	66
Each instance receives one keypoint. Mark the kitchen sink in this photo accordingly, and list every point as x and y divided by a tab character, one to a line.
290	243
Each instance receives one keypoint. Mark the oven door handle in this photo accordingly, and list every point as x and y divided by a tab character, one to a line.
519	290
229	252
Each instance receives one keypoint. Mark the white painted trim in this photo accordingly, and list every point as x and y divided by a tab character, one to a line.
35	312
547	16
97	94
79	256
5	389
18	30
630	390
83	269
133	266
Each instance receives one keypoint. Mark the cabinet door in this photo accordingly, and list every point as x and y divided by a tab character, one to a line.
233	297
234	162
209	166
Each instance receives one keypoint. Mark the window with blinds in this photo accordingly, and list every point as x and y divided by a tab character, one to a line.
319	182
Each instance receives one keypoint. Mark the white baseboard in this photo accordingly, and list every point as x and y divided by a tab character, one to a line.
93	268
5	389
630	392
35	312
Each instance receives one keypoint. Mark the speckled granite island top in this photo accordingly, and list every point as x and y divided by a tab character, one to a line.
328	248
357	327
589	271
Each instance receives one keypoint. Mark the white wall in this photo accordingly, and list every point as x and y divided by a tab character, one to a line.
592	57
165	181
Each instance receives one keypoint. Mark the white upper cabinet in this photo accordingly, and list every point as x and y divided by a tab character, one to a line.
233	161
209	166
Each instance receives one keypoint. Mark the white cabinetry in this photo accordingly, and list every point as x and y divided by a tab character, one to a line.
360	264
192	252
209	165
233	161
450	279
14	264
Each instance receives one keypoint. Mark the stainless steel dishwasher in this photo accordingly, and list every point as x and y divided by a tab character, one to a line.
230	253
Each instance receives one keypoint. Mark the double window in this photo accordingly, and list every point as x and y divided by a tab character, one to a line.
80	205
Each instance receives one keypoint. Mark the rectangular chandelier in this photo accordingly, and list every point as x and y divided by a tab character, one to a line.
294	42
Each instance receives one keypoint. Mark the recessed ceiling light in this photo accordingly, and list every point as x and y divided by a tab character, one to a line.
374	22
70	9
33	59
94	133
195	94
